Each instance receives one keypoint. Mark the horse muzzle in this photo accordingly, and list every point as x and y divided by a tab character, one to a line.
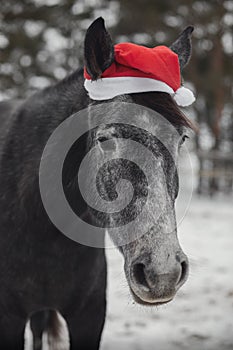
151	285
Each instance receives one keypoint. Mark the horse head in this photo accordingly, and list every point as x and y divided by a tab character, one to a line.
139	138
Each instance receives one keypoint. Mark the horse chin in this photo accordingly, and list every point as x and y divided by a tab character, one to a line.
146	301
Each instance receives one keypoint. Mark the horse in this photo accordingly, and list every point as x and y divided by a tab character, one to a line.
44	272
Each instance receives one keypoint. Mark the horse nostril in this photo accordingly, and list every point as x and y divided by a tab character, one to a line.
184	272
138	273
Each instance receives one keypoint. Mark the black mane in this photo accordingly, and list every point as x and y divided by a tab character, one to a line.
164	104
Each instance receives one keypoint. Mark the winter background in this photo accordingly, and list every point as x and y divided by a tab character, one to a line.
41	41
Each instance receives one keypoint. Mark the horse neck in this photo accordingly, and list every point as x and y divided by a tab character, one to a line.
32	124
70	94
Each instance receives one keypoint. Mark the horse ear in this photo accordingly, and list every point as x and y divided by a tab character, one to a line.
98	49
182	46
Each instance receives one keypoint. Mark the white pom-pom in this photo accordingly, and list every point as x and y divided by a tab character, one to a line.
184	97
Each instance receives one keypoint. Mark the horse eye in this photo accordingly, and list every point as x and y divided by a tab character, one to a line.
183	138
111	146
102	138
105	137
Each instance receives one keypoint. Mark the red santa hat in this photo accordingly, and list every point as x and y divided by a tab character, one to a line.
140	69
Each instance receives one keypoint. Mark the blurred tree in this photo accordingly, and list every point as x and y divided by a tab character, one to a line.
42	40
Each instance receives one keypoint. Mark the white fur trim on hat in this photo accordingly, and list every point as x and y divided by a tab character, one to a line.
184	97
108	88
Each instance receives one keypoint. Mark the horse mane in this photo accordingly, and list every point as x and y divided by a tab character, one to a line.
164	104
